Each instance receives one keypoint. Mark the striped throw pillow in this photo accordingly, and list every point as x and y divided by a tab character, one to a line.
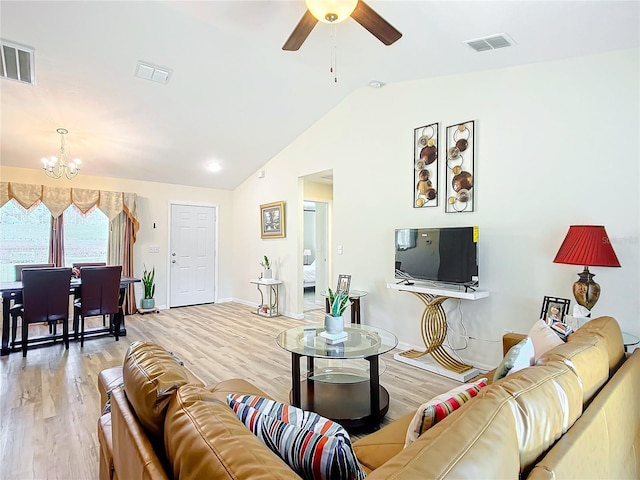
438	409
313	446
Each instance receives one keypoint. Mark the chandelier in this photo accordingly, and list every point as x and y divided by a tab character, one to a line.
55	167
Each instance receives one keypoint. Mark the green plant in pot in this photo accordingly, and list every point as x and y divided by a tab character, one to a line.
333	320
148	278
266	264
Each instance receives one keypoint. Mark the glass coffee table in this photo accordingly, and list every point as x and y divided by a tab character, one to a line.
348	396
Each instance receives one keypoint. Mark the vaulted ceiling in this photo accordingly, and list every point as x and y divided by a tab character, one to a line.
234	96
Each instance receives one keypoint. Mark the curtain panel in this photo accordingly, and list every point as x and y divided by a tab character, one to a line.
57	199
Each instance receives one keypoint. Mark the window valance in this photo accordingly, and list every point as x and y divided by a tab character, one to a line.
57	199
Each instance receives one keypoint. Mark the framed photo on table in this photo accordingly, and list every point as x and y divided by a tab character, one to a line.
272	220
344	281
554	309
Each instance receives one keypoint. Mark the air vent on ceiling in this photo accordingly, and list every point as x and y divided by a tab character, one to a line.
153	72
17	62
492	42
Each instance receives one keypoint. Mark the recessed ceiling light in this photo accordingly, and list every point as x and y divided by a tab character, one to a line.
214	167
376	84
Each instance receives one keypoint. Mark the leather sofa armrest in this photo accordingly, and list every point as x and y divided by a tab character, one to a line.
133	453
108	379
511	339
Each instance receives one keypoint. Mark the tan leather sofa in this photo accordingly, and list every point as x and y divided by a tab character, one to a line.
575	414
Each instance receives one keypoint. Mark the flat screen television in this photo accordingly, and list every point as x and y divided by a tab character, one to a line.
438	255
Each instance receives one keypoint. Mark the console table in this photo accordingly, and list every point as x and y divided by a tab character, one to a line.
270	308
433	327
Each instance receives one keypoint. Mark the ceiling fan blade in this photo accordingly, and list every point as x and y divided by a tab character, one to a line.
301	32
377	26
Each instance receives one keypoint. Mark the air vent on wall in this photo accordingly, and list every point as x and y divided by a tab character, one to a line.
492	42
153	72
17	62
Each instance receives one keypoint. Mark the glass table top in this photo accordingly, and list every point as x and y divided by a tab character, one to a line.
362	341
352	293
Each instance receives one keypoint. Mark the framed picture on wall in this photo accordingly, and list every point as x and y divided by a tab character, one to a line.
272	220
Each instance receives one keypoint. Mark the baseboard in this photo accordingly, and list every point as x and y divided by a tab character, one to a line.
426	362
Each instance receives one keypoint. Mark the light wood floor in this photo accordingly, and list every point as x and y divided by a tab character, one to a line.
49	402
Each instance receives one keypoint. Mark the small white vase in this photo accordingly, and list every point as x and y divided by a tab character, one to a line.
267	273
333	324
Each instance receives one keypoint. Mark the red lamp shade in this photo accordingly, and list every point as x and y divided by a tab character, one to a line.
587	245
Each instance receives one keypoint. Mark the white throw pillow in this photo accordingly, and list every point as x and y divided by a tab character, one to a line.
518	357
543	338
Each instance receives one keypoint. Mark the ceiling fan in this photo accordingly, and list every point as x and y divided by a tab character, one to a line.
335	11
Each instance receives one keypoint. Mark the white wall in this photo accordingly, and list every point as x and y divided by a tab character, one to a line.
556	144
153	208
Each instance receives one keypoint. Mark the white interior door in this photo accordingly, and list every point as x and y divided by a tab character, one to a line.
192	255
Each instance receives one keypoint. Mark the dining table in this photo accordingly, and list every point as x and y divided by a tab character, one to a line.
11	291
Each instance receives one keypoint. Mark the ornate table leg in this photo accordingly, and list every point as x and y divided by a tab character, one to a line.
434	332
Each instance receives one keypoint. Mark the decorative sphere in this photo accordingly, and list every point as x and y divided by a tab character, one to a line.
420	202
462	180
464	195
429	154
431	193
462	144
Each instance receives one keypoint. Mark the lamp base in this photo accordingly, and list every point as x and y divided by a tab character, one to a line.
585	290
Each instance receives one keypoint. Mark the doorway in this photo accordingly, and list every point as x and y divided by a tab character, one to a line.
192	254
316	229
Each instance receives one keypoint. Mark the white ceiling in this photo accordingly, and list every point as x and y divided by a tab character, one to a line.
235	96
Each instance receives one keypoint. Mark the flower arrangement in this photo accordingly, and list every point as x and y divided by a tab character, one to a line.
265	263
148	282
338	302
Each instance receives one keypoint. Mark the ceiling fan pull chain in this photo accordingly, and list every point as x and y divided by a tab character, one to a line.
334	53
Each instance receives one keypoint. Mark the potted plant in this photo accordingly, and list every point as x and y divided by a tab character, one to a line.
333	320
266	264
149	288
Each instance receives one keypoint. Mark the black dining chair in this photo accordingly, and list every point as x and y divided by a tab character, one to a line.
78	266
45	297
16	309
100	295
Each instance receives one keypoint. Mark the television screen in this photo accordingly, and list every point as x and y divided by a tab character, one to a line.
446	255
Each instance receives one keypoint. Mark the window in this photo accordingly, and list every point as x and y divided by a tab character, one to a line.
24	237
86	237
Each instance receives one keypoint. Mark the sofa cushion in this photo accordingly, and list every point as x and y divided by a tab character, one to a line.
608	329
439	407
374	449
151	375
545	401
543	338
204	439
519	356
313	446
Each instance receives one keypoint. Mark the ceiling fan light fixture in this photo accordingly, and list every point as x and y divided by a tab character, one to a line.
331	11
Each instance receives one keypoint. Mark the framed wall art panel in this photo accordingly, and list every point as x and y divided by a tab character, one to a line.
425	162
460	171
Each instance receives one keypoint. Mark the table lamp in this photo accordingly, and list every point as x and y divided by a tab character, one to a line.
306	253
587	245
